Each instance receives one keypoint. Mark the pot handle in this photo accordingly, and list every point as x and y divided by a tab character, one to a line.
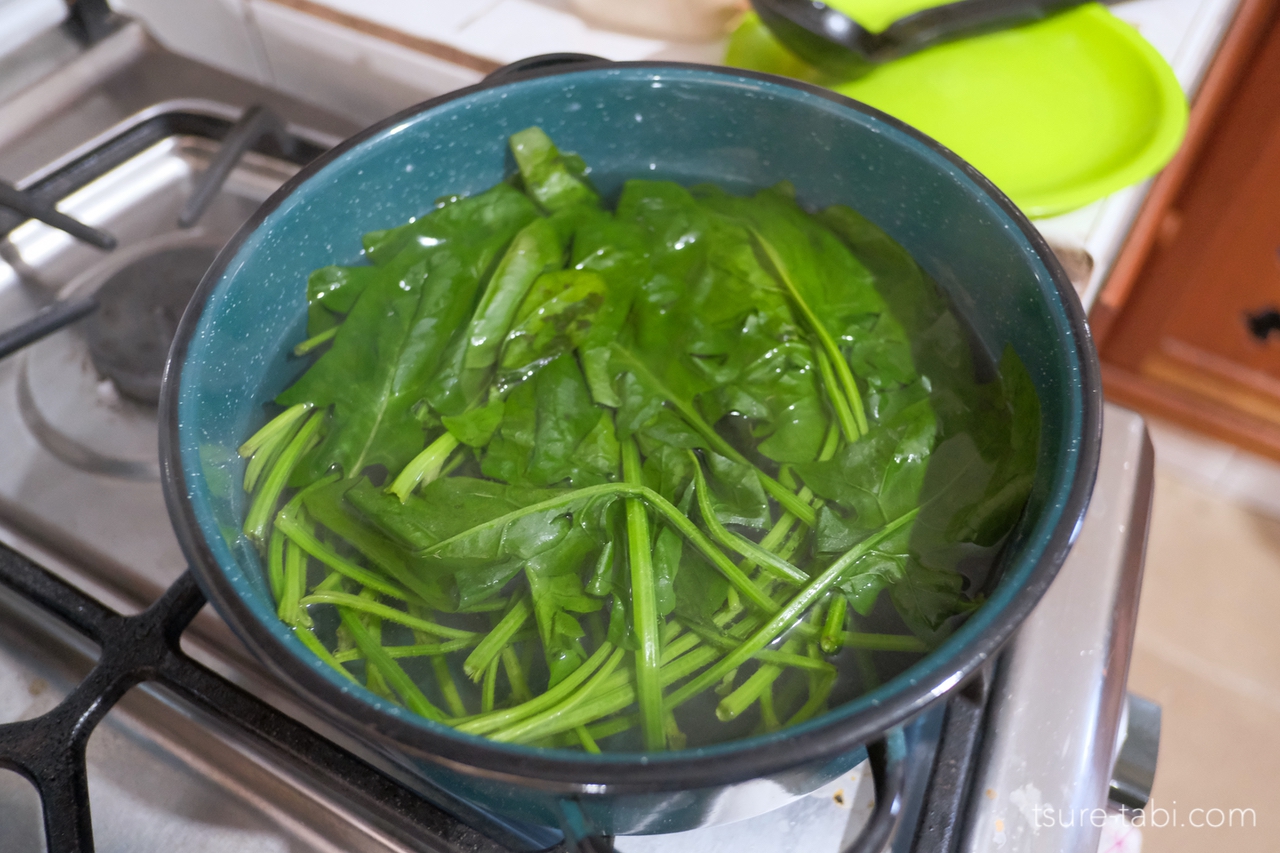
540	62
888	758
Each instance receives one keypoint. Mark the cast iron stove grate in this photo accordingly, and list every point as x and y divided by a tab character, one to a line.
50	750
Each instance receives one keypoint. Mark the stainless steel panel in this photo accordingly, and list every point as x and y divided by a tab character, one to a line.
1045	768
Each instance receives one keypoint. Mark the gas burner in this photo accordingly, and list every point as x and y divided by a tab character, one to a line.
88	394
138	312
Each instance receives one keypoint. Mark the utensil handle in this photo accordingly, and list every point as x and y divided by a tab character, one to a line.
962	19
45	323
889	773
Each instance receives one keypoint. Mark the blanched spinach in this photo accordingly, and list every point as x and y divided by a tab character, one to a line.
692	432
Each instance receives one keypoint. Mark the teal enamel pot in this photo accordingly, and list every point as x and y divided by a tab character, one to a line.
690	124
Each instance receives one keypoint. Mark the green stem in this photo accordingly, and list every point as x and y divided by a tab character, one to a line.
424	467
487	723
292	610
871	642
343	599
866	665
390	670
315	341
669	511
618	691
477	663
644	604
265	445
515	675
761	680
263	508
489	686
833	631
448	687
671	728
420	650
779	658
609	728
844	415
287	522
789	614
588	742
819	690
380	551
312	642
610	701
275	565
535	727
745	547
849	386
768	717
273	429
780	493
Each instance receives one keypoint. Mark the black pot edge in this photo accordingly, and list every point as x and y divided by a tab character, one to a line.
627	774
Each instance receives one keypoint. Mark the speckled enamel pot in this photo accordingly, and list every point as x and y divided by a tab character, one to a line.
690	124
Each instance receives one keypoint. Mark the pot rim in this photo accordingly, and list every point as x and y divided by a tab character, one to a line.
559	770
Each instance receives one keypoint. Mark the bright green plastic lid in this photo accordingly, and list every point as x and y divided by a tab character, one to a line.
1057	114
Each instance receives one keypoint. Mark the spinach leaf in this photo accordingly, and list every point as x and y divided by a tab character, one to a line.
506	457
391	344
1015	450
556	586
880	476
331	293
552	431
834	284
328	506
551	545
565	417
617	252
556	316
556	181
473	220
736	493
535	250
476	427
372	375
443	508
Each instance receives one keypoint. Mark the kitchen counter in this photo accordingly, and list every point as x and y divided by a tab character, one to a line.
367	58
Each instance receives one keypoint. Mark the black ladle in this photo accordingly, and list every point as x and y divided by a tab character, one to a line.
835	43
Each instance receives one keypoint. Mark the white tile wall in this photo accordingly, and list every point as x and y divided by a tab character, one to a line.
514	29
216	32
439	20
23	20
351	73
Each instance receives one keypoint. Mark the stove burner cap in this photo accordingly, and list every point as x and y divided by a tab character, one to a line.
138	312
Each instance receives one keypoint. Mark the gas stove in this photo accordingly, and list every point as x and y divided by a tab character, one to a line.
203	748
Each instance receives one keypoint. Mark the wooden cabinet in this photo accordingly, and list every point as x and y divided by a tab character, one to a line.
1188	325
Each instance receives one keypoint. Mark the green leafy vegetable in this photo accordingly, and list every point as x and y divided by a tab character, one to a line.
641	478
